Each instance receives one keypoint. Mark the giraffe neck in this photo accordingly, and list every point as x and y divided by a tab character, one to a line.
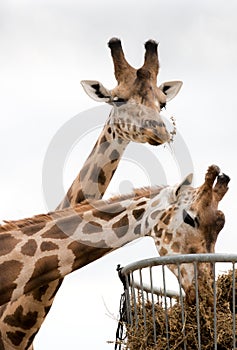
91	183
98	170
56	247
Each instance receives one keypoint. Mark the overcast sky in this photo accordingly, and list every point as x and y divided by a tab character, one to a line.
47	48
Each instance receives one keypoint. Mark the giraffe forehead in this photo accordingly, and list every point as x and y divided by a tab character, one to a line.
187	196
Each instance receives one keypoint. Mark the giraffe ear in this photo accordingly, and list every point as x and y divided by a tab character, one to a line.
186	182
96	90
171	89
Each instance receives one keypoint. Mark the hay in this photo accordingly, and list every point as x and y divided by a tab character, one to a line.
140	337
225	289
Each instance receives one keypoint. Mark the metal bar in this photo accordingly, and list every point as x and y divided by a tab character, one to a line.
197	305
182	305
143	302
128	304
153	306
182	258
166	309
233	305
214	294
134	301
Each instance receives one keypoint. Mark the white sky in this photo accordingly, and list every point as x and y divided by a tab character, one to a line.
47	47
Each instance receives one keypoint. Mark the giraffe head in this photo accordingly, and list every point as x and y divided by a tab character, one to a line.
136	100
191	222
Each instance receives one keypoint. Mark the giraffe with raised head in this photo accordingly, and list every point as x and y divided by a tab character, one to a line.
136	103
135	116
181	219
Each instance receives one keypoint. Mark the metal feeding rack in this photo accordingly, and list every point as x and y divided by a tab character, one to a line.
153	316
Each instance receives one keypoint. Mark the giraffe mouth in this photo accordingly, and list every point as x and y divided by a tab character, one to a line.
154	142
156	137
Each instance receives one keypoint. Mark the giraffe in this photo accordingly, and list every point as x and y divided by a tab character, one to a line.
135	116
181	219
136	104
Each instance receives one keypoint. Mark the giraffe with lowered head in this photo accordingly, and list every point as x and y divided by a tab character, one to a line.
181	219
136	103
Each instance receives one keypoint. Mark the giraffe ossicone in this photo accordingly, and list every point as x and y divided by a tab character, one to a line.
180	218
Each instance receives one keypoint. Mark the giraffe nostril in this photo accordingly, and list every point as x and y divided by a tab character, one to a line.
162	105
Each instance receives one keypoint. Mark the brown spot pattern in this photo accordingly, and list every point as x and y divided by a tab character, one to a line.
54	232
92	227
155	214
29	248
16	337
7	243
121	226
168	237
98	175
7	284
192	250
114	156
64	228
115	210
46	269
167	219
163	251
138	213
101	177
141	203
104	144
137	230
46	246
84	254
80	197
18	319
175	247
32	229
40	292
158	232
162	216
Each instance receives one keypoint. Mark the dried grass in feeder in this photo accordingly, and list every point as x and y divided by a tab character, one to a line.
141	333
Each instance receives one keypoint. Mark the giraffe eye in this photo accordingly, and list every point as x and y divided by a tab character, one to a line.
119	101
189	220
